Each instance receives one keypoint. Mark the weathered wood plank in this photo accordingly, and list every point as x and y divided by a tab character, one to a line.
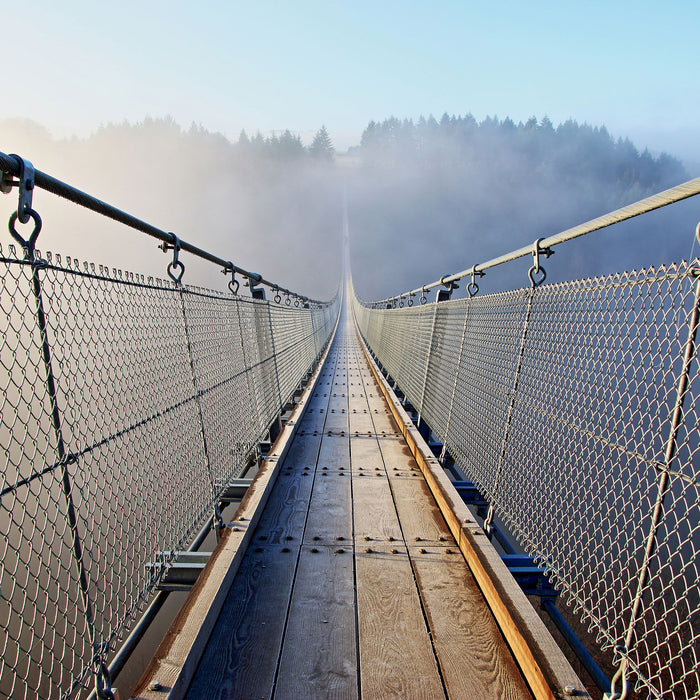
336	418
241	657
473	656
284	516
396	656
398	458
361	420
335	452
330	510
374	512
383	421
365	454
315	418
420	517
319	658
304	449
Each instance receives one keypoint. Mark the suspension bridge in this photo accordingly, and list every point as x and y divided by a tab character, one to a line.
410	479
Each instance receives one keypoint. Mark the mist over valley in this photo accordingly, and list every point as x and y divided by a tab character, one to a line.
425	198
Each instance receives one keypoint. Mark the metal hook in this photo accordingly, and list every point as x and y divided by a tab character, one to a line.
277	297
621	676
175	264
103	682
536	268
473	287
233	283
29	244
423	299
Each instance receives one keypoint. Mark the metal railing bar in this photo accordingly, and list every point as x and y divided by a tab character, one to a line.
9	164
683	191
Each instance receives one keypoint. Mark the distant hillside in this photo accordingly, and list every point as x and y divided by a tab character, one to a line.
447	194
426	198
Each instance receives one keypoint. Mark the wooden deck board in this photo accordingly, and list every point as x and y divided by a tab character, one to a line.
365	454
284	517
330	509
323	610
421	519
304	449
396	656
374	512
473	656
241	658
335	452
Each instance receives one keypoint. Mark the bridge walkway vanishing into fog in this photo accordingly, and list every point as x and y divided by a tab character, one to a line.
135	409
352	584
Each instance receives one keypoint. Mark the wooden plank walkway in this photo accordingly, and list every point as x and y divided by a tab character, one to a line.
352	585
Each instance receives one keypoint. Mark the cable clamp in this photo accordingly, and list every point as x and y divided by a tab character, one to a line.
450	286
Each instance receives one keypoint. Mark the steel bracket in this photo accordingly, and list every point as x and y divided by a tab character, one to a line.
182	572
25	183
235	490
530	577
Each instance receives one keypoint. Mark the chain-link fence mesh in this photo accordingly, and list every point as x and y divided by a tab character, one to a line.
128	405
574	407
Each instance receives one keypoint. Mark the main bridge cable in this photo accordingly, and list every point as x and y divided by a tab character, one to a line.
691	188
12	165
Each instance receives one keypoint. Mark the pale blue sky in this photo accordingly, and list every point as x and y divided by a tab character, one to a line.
265	65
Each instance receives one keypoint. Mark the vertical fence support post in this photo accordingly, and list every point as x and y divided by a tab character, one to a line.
663	483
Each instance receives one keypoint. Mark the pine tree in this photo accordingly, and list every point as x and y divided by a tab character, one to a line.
322	146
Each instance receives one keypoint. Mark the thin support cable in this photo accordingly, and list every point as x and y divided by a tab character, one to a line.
488	521
66	485
663	483
248	369
427	362
218	520
454	384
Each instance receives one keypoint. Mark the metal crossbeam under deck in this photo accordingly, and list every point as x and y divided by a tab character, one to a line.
352	584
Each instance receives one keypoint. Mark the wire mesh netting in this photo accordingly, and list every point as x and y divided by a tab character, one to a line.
574	408
128	405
